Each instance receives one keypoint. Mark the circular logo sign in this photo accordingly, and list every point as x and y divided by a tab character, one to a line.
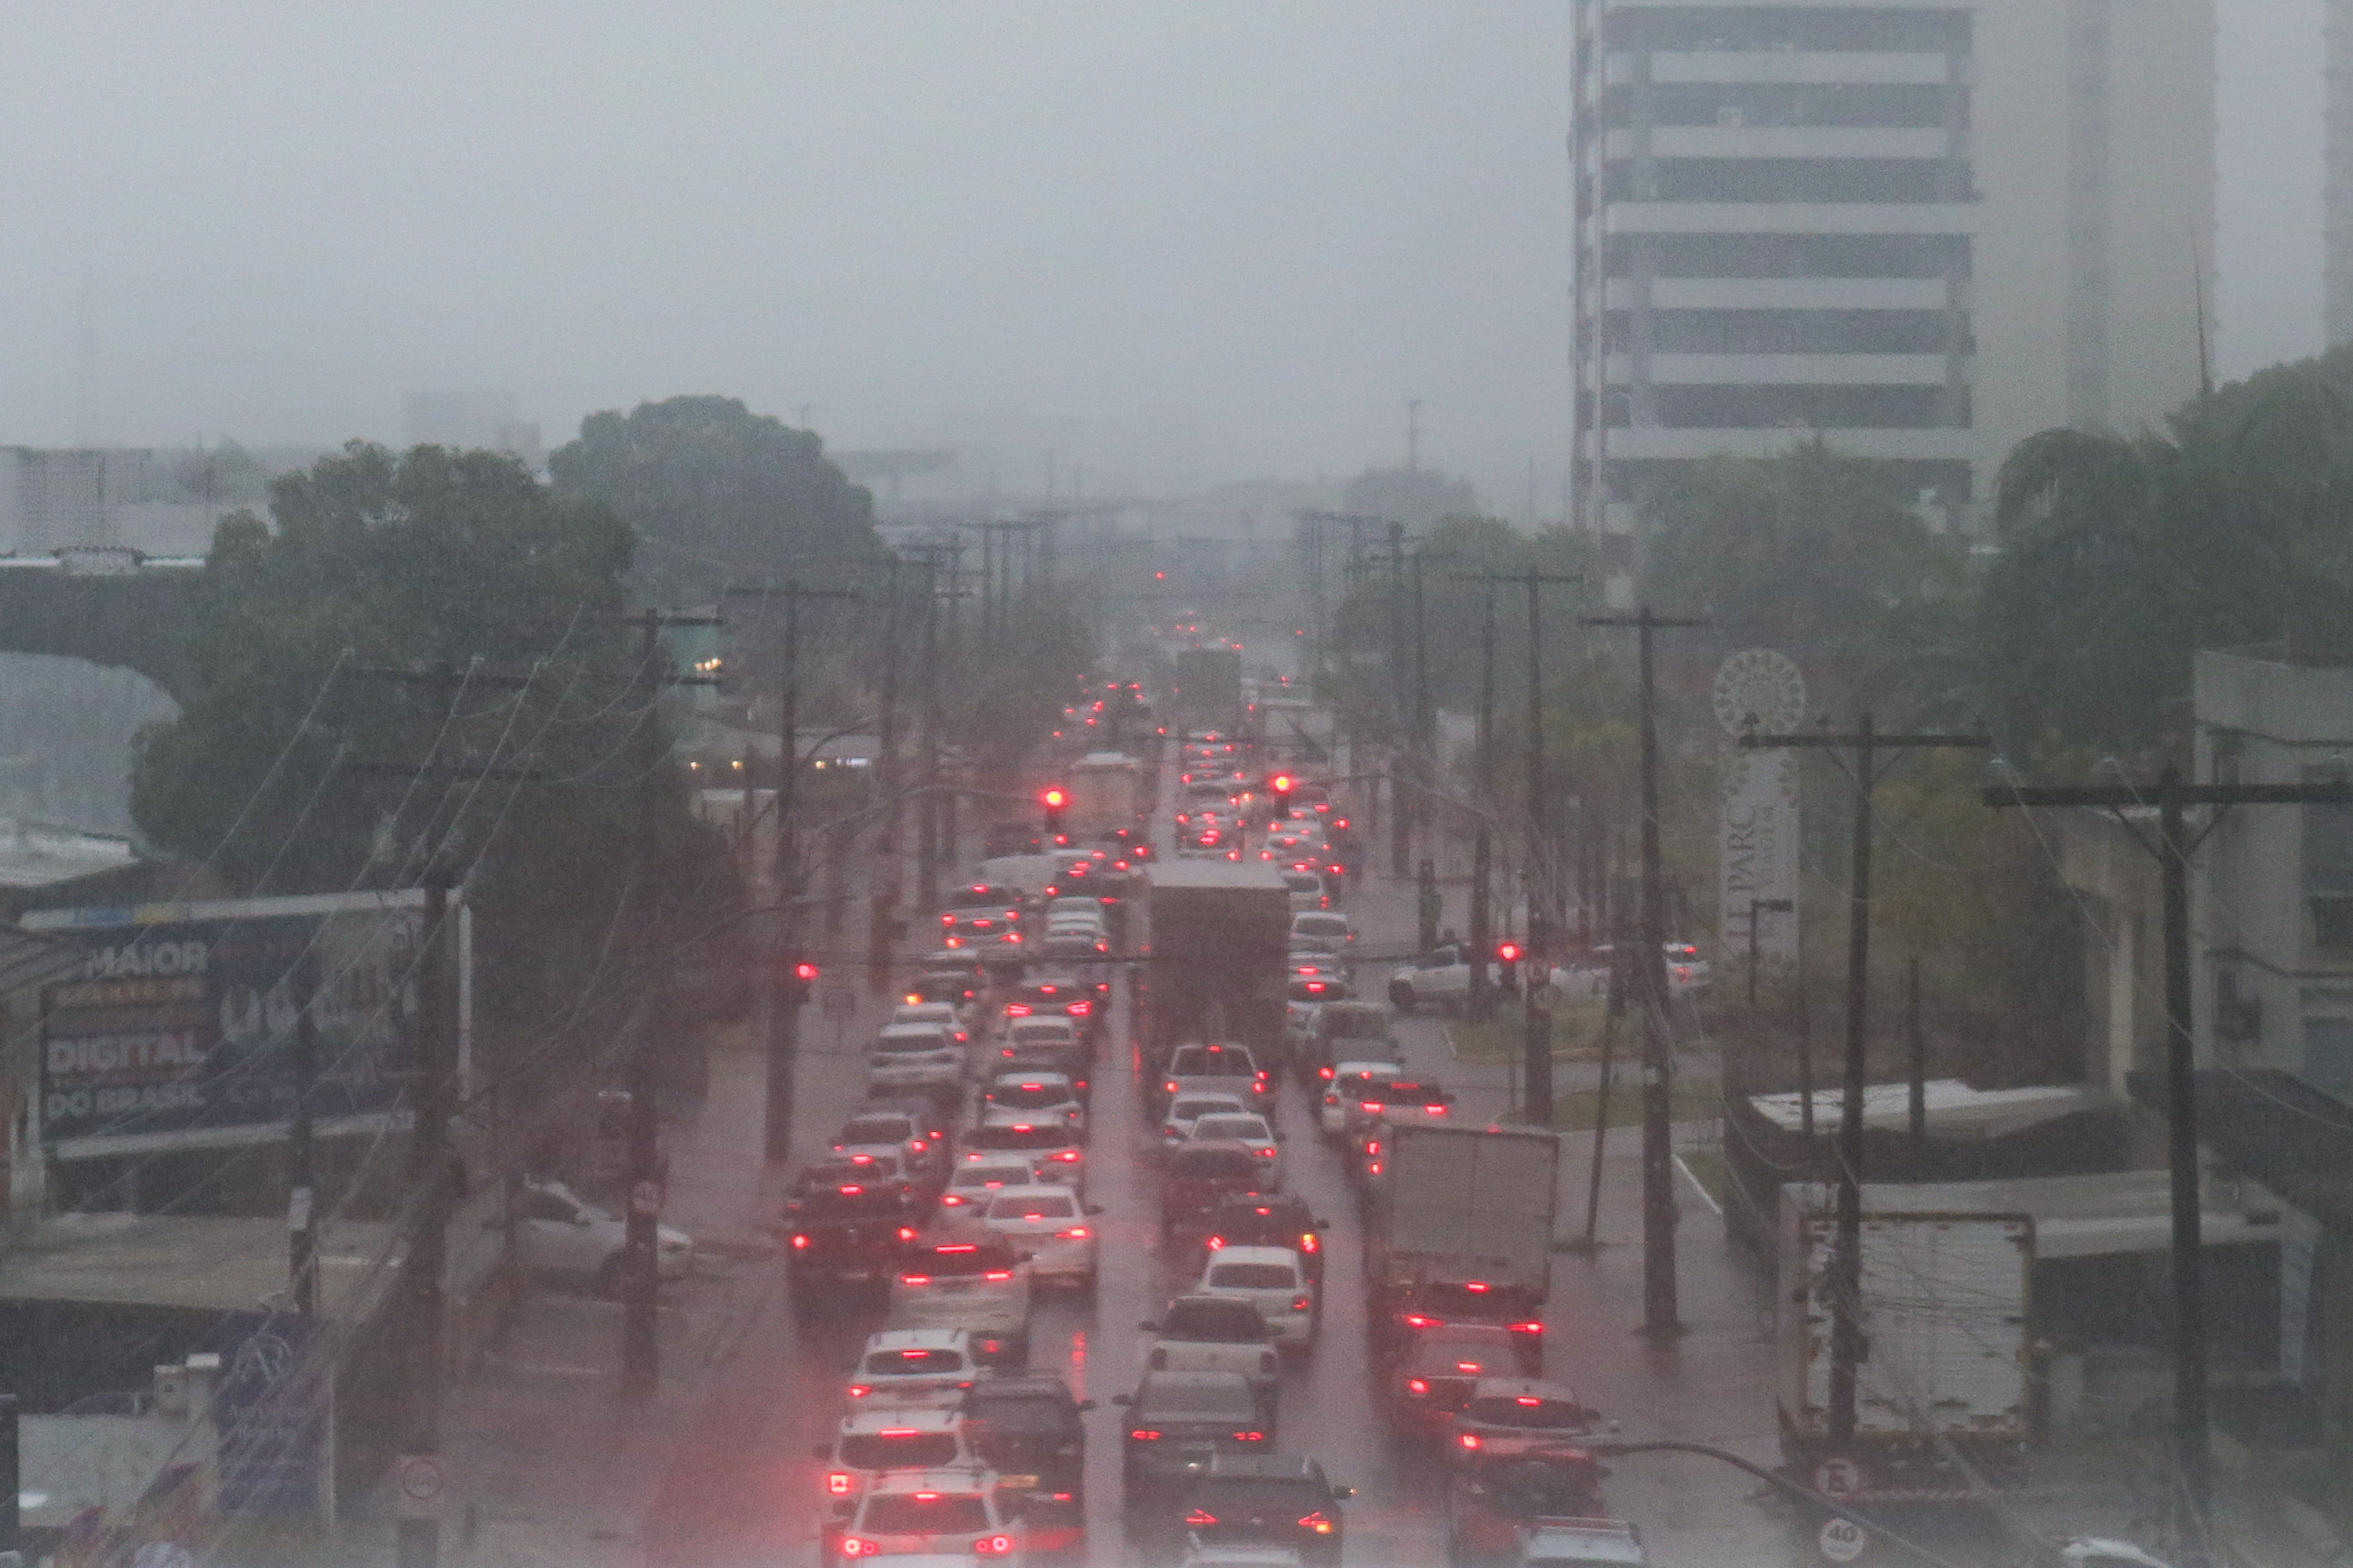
1842	1541
422	1479
1838	1477
646	1198
1760	683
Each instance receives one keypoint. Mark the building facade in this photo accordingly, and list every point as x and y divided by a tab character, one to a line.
1917	229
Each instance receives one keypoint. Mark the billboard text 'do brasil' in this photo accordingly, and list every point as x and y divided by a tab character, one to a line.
179	1027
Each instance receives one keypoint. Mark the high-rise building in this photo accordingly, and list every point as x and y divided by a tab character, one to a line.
1917	229
2337	200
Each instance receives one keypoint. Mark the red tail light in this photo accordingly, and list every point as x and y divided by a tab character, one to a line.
801	1243
1080	1009
1200	1516
1300	1303
1469	1440
1369	1107
861	1390
906	1233
1324	1072
998	1273
1249	1437
1434	1109
1416	1321
1474	1285
1528	1401
1141	1434
837	1483
1216	1242
1076	1233
1310	1242
1316	1523
1169	1088
1016	1010
1530	1328
853	1547
994	1546
1417	1385
1068	1156
914	1279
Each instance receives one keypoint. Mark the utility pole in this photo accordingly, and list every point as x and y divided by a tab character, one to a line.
883	895
1401	810
2173	846
1915	1051
1483	848
784	991
429	1172
641	1279
1846	1262
1660	1308
1757	909
302	1157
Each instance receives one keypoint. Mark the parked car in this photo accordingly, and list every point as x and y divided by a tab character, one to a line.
1271	1279
560	1233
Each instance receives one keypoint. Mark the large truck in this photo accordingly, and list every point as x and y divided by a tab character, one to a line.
1947	1370
1107	793
1461	1231
1216	965
1207	685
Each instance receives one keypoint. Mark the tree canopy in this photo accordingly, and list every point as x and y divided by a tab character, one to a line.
376	559
717	493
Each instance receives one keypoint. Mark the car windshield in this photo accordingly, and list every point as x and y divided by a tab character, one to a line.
1212	1061
925	1513
1036	1037
1396	1093
1031	1096
1231	1497
1252	1277
1206	1398
897	1044
1213	1163
1319	925
876	1129
1251	1128
1023	1137
986	1176
1054	1207
1528	1411
907	1362
1214	1321
898	1450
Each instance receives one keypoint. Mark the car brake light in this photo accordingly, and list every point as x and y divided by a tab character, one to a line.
1369	1107
1527	1328
1416	1385
837	1483
800	1242
1068	1156
1470	1439
1308	1242
1200	1516
1528	1400
853	1547
1142	1435
1170	1086
918	1146
1469	1366
994	1546
1316	1523
906	1233
1374	1169
1266	1154
1300	1303
1076	1233
1017	1010
913	997
1249	1437
1216	1243
1080	1009
1433	1110
1416	1321
949	1200
998	1273
1474	1285
861	1390
914	1279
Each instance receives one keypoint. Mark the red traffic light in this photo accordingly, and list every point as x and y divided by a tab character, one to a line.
1509	951
1282	783
1055	798
804	972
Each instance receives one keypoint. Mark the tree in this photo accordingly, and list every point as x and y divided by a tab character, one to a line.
376	559
717	494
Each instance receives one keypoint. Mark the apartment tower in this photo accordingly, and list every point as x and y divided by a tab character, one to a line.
1917	231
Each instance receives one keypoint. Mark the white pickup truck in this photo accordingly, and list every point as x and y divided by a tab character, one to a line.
1211	1333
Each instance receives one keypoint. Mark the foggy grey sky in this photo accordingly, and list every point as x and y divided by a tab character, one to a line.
1179	241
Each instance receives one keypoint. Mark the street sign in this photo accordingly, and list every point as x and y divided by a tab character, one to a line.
1838	1477
1842	1541
646	1198
424	1484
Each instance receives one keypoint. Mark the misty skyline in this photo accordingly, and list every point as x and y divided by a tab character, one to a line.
1171	245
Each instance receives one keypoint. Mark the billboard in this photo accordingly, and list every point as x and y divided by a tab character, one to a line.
178	1029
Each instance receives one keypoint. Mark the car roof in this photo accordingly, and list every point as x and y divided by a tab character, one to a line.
1263	1468
1522	1388
1271	1205
1014	1116
1038	1190
1021	1385
1368	1066
1239	1555
1593	1539
915	1339
1163	1379
922	1418
1040	1074
1282	1255
975	1479
935	1028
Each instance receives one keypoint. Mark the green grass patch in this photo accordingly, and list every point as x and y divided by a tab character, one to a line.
1685	1102
1576	1035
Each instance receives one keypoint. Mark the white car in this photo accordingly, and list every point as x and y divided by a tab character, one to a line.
1237	1554
928	1367
915	1057
1036	1095
1270	1279
871	1443
983	1173
1249	1129
1349	1081
977	1288
944	1014
1186	1109
1327	926
1053	1142
557	1232
1046	1226
1306	890
942	1516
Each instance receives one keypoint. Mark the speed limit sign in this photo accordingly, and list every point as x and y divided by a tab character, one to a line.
1843	1540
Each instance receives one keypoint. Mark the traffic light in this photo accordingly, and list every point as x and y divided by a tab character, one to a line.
1056	799
1279	786
1507	961
803	978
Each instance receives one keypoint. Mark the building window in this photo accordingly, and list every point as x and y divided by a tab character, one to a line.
1808	407
1791	180
1788	331
2328	875
1794	254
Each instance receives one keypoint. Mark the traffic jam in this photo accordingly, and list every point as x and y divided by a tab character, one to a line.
1076	1093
